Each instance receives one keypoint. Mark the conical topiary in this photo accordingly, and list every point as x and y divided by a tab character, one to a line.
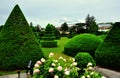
108	53
17	43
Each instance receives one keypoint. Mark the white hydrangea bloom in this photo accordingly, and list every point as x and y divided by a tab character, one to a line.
36	71
51	54
53	64
56	76
51	70
89	64
67	73
42	60
59	68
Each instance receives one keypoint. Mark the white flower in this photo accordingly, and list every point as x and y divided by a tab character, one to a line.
65	69
73	59
64	60
51	70
59	68
36	65
103	77
42	60
83	76
88	76
39	62
36	71
74	64
55	61
51	54
56	76
91	73
89	64
60	58
67	73
53	64
90	68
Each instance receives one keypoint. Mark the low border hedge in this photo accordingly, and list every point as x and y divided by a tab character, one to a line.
49	43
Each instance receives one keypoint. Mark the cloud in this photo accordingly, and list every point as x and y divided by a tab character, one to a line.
58	11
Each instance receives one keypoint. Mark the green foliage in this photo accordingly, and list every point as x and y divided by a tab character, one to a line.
49	43
93	28
91	25
49	37
64	27
17	43
108	53
83	58
82	43
55	67
72	32
62	68
57	34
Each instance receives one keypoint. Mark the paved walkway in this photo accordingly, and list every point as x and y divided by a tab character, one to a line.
22	75
107	73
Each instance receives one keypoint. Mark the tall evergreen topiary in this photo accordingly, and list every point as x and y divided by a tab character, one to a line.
49	37
17	43
108	53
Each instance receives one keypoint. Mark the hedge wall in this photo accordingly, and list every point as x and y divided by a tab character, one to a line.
108	53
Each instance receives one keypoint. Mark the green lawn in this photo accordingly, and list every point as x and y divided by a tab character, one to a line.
58	51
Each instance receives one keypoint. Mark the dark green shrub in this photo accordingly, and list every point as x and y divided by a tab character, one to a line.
49	37
108	53
83	59
18	44
57	34
82	43
49	43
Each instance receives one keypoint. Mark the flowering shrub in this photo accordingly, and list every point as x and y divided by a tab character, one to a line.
60	68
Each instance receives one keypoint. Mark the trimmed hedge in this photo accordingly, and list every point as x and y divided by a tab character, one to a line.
108	53
18	44
49	43
83	58
49	37
82	43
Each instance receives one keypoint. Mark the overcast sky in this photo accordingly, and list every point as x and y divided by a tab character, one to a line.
56	12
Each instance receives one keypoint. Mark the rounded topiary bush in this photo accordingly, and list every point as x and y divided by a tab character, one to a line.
82	43
83	59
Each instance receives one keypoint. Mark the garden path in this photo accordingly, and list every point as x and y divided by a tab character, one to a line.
108	73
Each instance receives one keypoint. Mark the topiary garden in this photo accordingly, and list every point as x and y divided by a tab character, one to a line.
18	44
108	53
82	43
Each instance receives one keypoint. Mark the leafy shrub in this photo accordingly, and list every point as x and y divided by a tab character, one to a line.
49	37
57	34
108	53
61	68
83	59
49	43
18	44
82	43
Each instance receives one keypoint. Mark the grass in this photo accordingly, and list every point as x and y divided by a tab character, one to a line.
10	72
58	51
